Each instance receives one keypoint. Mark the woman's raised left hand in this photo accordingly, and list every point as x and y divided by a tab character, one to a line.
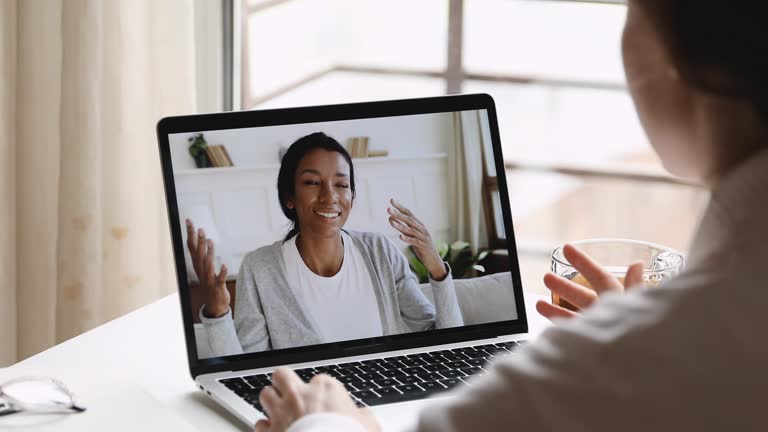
416	234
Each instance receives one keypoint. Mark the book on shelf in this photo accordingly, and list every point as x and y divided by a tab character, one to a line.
211	156
358	147
226	156
378	153
221	151
218	156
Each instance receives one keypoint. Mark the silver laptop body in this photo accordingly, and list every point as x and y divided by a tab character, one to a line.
440	156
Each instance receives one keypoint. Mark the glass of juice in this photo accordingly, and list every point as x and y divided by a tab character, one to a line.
615	255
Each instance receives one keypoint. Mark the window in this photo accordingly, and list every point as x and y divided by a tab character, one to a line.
578	162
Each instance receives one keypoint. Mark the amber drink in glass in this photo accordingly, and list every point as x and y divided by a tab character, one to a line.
660	263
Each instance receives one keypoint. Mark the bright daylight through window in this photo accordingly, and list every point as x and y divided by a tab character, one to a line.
578	163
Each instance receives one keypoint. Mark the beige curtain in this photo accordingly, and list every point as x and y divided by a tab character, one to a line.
83	227
465	162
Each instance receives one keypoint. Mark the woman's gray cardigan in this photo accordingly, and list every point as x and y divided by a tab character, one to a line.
269	316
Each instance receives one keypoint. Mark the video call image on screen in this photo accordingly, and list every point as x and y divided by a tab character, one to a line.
306	234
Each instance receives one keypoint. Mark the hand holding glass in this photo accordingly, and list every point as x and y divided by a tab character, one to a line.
584	270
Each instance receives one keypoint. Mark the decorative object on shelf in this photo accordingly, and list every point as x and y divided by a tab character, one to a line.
219	156
458	255
358	147
378	153
197	149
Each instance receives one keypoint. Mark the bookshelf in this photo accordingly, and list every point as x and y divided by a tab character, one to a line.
276	166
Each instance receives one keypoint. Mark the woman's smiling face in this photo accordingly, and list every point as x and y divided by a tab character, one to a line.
323	194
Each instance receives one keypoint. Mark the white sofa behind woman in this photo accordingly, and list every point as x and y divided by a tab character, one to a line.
483	299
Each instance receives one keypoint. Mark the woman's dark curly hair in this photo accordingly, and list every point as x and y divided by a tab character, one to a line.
286	186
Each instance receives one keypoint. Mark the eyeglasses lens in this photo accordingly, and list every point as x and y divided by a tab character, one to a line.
37	394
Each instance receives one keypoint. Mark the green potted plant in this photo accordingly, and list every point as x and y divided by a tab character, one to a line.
197	146
458	255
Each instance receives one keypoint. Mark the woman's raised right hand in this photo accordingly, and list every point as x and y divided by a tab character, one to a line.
214	285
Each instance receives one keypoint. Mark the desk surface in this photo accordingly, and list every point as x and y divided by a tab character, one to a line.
146	349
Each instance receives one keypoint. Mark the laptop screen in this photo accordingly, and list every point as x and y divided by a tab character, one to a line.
343	231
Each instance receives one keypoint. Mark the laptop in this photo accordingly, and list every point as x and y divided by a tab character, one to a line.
390	321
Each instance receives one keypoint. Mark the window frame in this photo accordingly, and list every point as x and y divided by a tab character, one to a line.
237	80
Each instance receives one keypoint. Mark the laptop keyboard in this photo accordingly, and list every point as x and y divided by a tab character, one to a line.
390	379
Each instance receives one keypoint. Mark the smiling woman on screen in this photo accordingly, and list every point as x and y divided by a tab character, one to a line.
322	283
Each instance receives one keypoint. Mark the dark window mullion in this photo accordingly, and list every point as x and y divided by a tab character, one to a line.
454	71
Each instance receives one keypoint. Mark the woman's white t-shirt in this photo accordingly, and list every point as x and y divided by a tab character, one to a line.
343	305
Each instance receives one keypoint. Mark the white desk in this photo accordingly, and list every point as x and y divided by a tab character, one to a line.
146	347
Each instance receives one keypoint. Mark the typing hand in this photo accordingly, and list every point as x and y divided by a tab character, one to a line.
214	285
580	296
289	399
